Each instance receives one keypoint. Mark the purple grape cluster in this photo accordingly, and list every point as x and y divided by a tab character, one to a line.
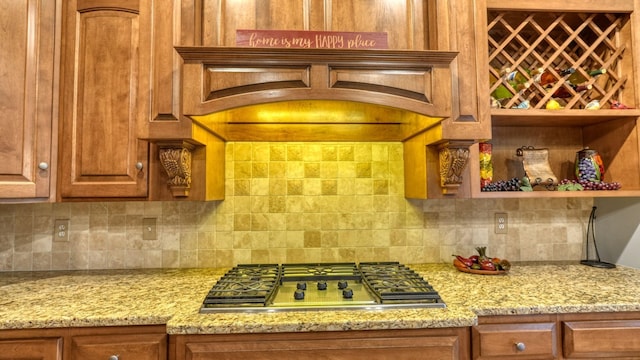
593	185
587	169
503	185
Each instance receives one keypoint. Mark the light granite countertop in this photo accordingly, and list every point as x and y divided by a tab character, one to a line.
173	297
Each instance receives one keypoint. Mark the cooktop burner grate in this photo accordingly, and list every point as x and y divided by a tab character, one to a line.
245	284
320	286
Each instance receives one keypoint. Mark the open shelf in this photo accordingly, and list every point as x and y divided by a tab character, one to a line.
525	40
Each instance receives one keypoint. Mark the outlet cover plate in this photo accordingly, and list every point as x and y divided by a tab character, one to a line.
149	229
502	221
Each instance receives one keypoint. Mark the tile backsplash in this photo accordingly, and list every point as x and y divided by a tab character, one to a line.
292	202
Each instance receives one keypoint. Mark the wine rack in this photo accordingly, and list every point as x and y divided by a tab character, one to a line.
521	42
525	40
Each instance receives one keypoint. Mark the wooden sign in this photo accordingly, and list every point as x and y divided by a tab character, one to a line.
311	39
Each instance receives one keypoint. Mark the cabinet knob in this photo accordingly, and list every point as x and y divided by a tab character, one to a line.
43	166
114	357
139	166
520	346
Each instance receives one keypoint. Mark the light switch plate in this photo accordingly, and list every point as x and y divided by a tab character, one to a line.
149	229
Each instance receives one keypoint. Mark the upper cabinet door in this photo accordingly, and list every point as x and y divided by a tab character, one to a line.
27	72
105	99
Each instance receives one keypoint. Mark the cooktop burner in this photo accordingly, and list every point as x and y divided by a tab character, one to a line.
322	286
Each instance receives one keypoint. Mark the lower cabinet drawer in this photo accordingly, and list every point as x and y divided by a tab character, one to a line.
609	339
121	347
511	341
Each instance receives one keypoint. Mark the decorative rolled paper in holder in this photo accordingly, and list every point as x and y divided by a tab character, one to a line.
536	166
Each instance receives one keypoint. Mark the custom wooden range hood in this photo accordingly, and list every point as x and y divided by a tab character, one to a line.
278	94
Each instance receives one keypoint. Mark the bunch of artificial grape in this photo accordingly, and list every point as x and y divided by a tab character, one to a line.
587	169
593	185
503	185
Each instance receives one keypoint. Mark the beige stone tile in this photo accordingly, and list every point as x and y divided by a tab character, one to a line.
295	187
311	170
242	170
278	186
242	222
363	170
329	187
346	153
261	152
329	152
242	152
295	152
259	170
312	152
277	152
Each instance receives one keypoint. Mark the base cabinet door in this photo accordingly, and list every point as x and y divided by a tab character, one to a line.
31	348
606	339
448	344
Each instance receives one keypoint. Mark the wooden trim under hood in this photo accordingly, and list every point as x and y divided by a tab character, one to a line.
270	94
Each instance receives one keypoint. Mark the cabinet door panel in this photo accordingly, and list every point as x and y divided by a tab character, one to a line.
31	349
126	347
104	102
26	97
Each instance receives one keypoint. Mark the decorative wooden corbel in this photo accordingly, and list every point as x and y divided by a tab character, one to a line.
453	156
176	160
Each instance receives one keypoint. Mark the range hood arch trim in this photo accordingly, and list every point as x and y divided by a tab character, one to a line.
216	79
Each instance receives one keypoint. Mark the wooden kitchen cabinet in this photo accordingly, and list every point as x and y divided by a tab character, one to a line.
433	344
523	36
28	74
557	336
125	343
105	76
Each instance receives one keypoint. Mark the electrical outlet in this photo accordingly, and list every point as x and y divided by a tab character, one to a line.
502	222
149	229
61	229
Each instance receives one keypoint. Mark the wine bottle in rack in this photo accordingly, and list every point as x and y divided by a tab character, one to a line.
546	78
516	79
564	93
577	78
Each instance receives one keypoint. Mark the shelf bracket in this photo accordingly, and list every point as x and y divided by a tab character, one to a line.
453	158
176	160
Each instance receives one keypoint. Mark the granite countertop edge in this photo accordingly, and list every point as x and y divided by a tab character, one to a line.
172	297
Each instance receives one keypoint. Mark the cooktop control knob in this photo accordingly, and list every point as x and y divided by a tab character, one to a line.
322	285
342	284
301	285
298	294
347	293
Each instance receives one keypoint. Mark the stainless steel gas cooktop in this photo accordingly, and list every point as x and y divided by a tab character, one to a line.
322	286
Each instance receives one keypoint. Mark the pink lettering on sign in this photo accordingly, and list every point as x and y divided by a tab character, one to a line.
311	39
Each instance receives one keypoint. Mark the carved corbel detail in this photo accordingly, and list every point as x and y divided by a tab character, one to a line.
176	160
453	158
